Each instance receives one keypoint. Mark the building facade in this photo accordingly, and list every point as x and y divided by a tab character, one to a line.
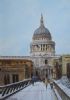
62	66
42	53
42	43
42	50
42	59
65	62
13	69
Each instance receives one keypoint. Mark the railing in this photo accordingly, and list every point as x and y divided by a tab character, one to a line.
8	90
62	94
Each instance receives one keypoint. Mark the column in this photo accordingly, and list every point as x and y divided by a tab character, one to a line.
11	81
45	47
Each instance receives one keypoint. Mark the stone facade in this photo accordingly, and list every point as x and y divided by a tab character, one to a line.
62	66
42	50
42	43
42	53
14	70
65	60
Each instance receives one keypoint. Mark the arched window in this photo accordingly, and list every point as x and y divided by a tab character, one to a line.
46	61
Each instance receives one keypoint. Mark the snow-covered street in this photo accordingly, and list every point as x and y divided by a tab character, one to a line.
36	92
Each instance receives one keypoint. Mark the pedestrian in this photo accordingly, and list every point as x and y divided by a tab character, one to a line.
33	80
51	84
46	82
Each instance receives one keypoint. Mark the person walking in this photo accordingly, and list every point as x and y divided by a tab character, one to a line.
46	82
33	79
51	84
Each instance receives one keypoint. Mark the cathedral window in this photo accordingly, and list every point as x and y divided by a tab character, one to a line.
46	61
41	47
46	47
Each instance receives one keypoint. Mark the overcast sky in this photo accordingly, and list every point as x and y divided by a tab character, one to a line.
20	18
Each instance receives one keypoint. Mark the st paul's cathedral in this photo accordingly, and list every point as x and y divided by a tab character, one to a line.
42	59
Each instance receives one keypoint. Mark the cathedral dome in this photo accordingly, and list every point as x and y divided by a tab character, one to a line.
41	32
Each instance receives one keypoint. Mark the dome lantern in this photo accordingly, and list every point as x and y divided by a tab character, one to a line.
42	32
41	21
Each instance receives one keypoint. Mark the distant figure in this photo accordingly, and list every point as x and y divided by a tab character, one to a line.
38	76
51	84
46	75
46	82
34	79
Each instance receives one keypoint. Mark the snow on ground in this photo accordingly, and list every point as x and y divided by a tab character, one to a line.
63	85
36	92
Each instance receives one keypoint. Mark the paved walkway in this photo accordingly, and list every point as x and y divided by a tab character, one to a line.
36	92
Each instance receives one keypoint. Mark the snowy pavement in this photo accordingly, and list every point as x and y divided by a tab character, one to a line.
63	87
36	92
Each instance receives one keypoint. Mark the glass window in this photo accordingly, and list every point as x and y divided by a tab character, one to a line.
46	61
26	71
15	78
7	79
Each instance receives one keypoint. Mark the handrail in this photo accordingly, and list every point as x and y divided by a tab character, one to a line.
10	89
63	95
